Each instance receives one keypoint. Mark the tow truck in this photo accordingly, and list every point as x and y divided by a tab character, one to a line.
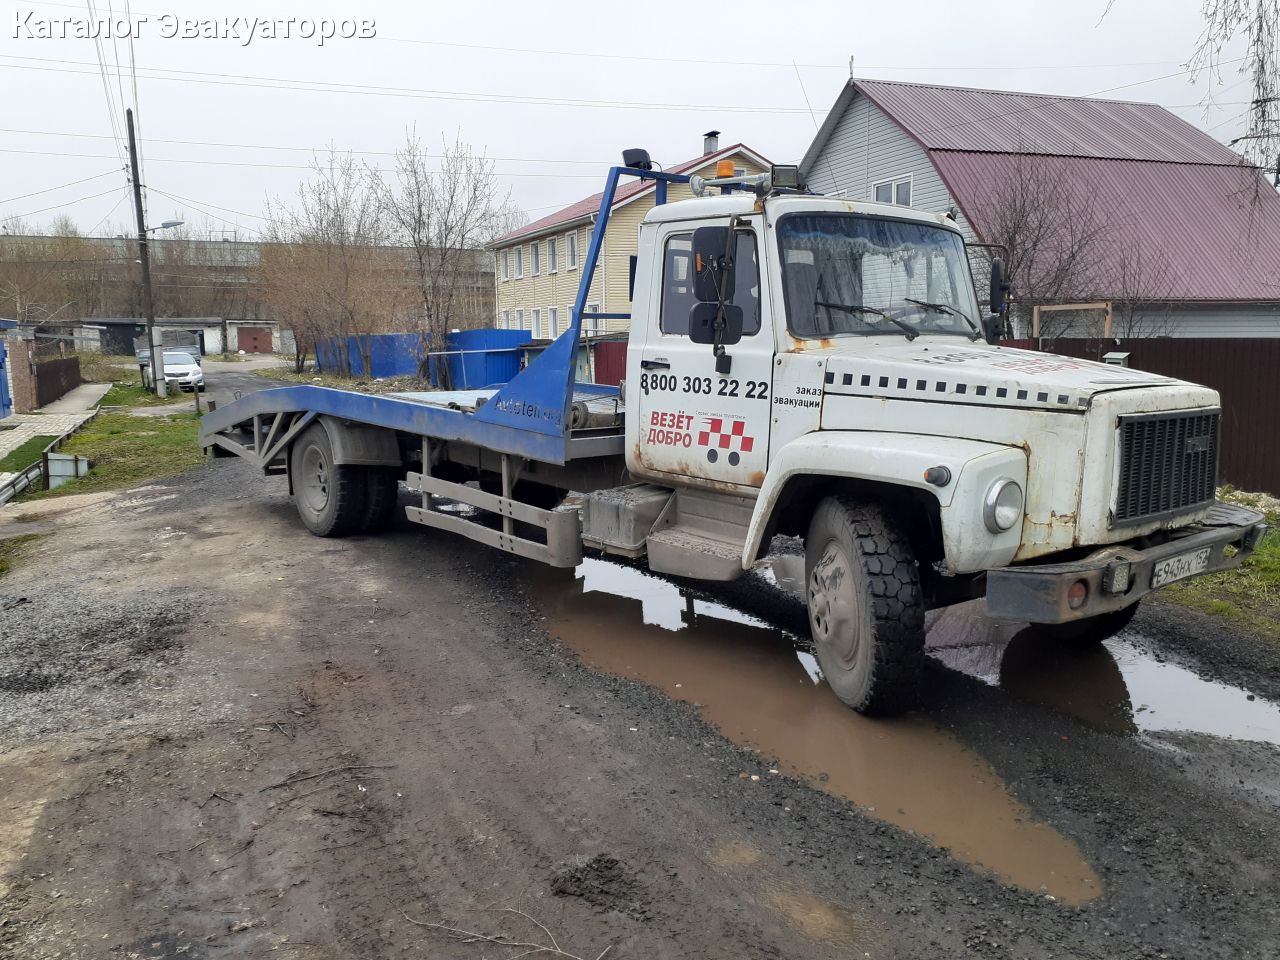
806	366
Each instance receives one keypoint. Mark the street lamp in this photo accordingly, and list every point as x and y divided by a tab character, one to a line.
167	225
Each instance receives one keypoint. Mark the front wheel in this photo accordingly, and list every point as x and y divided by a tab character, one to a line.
866	612
330	497
1090	631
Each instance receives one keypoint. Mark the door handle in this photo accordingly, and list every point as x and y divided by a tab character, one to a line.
657	363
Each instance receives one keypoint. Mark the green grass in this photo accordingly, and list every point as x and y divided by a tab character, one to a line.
25	455
11	549
129	393
1250	595
125	451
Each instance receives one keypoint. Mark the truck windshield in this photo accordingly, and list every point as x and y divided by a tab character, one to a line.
847	275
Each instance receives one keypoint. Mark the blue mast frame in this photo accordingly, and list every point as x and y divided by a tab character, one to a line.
539	398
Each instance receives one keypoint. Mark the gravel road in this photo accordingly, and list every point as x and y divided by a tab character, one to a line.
221	737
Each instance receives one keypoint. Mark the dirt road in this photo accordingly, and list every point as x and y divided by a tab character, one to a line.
221	737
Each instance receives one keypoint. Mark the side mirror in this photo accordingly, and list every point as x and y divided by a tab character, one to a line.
999	285
713	271
702	323
992	328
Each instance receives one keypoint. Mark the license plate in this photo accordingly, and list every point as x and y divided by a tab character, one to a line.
1180	567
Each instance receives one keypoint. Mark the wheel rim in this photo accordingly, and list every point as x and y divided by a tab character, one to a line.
315	478
832	608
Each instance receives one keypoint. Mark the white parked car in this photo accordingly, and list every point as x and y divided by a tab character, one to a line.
183	371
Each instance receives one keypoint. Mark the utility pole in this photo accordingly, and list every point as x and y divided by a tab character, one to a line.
157	356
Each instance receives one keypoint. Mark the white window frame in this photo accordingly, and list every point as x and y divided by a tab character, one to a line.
506	319
506	264
571	252
553	321
893	182
520	319
553	255
535	259
520	263
594	323
536	322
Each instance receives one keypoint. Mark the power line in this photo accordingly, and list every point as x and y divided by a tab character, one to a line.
268	146
413	93
59	206
124	193
61	186
182	199
277	166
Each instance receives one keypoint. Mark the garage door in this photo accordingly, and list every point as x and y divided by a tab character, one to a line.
254	339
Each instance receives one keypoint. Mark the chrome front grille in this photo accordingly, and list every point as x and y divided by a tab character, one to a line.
1168	464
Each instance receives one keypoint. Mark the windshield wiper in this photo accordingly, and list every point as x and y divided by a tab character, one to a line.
951	311
907	328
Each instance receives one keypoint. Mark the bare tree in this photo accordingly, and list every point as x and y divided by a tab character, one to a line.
325	268
445	217
1257	22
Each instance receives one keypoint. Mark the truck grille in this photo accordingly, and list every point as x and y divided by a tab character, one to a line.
1168	464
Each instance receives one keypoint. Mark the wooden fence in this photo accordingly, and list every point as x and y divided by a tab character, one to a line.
1246	372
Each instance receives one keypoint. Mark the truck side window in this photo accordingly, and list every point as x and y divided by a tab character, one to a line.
677	284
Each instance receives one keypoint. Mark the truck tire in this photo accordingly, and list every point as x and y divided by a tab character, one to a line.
866	611
382	493
1090	631
330	497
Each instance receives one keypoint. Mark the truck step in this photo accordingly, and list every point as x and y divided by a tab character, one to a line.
705	538
693	552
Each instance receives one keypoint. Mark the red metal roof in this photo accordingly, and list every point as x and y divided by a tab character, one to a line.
962	118
585	207
1199	232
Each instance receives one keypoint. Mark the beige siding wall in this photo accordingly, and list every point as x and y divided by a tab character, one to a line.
609	288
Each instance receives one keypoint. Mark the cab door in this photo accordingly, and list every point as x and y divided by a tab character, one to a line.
695	422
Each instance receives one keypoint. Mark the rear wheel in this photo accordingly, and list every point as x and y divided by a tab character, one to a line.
1090	631
330	497
866	612
382	493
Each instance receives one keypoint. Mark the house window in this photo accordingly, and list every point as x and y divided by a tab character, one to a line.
571	252
553	315
896	191
519	262
519	319
506	319
537	322
506	264
553	255
535	261
593	324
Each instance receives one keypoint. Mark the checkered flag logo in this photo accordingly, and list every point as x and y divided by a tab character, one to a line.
716	436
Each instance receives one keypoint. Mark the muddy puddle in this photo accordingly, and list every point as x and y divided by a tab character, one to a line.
749	681
1116	687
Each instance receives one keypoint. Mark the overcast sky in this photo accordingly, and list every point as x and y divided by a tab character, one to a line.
473	67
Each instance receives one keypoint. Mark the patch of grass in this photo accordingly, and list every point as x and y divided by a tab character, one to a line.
106	367
127	450
1249	595
25	455
130	393
11	549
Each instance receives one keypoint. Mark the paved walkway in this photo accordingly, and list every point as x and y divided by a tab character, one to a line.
55	420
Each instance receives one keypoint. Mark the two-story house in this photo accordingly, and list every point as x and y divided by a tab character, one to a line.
538	266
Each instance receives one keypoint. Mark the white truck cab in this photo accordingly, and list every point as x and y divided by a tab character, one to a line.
860	405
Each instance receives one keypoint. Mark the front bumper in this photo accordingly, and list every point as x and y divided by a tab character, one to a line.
1040	594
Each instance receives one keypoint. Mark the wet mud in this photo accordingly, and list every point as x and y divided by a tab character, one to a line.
753	683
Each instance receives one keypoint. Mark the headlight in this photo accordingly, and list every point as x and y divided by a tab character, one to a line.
1002	508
